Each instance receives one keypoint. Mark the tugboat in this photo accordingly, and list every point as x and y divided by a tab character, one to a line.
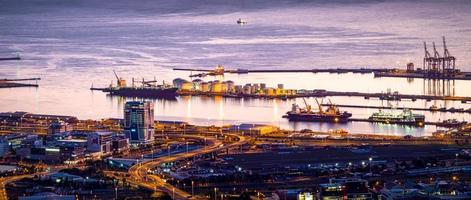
404	118
149	89
331	114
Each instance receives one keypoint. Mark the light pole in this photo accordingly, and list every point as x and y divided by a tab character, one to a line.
192	188
215	194
370	159
168	150
186	147
116	193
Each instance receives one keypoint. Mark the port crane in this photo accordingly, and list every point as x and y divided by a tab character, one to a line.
308	107
448	60
439	65
319	105
152	83
120	81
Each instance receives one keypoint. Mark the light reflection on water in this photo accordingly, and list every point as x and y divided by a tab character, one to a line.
203	110
73	46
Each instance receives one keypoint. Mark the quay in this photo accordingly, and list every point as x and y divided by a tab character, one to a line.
438	124
328	70
451	110
434	67
326	93
11	58
381	72
11	83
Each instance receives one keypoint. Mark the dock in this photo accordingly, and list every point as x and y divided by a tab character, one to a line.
13	83
326	93
451	110
379	73
328	70
438	124
11	58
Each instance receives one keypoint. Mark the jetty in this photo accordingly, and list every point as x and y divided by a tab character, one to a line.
13	83
435	66
326	93
431	109
438	124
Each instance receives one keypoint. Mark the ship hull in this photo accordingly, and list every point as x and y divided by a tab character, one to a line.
318	118
144	92
419	123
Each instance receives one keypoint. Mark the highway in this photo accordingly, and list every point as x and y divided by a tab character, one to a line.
139	172
8	179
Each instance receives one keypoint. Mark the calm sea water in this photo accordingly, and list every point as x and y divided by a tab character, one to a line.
72	45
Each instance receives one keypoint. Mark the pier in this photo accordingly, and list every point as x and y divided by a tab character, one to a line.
13	83
328	70
438	124
11	58
326	93
435	66
381	72
451	110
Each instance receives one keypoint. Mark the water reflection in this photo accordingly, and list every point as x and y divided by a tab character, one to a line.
439	87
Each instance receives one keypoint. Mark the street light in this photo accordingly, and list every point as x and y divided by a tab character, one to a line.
192	188
370	159
116	193
186	147
215	194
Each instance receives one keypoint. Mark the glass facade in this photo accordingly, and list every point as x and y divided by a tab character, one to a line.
139	121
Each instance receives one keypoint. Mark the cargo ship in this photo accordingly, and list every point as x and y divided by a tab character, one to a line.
331	114
406	117
148	89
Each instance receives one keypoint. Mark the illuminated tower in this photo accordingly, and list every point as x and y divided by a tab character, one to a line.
139	122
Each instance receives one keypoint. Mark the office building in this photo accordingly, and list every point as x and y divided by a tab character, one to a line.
99	142
139	122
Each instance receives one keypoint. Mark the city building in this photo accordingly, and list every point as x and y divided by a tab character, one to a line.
331	191
120	143
59	127
354	189
99	142
139	122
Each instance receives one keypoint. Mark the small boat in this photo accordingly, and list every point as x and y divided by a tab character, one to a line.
241	21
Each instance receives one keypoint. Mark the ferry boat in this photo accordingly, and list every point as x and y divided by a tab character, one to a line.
331	114
406	117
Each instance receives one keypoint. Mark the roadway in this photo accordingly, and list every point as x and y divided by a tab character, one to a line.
5	180
139	172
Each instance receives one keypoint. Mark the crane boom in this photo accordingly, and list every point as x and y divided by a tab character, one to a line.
427	54
319	106
308	107
116	75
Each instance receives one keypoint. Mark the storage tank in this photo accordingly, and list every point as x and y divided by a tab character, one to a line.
271	91
204	87
216	87
186	86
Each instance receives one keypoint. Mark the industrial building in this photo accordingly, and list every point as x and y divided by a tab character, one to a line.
254	128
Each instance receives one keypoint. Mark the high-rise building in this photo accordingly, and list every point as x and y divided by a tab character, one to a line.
139	121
